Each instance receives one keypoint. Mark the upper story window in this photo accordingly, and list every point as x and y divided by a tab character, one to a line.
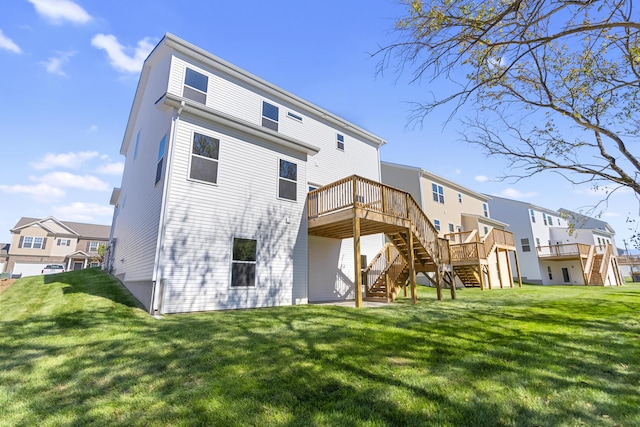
533	215
195	86
459	198
93	246
270	116
485	210
550	218
288	180
438	193
159	166
544	218
526	247
340	142
64	242
204	158
294	116
30	242
436	224
451	229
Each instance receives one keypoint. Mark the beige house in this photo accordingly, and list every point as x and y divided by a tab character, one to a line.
478	245
38	242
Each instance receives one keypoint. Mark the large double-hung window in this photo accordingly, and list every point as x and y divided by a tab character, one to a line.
288	180
204	158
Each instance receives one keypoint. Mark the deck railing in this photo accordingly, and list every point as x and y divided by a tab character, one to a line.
462	237
572	249
358	192
472	251
628	260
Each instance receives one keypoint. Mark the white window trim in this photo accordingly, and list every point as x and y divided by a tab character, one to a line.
231	261
278	178
215	184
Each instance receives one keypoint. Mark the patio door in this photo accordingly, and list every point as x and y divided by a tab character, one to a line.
77	265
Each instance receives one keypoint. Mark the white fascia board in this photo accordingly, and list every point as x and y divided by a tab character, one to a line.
115	195
232	122
490	221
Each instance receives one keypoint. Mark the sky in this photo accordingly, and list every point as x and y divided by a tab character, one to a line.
70	70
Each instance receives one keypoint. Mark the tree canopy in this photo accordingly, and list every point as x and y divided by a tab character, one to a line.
554	84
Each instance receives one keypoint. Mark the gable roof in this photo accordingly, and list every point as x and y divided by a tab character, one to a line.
4	249
82	230
171	43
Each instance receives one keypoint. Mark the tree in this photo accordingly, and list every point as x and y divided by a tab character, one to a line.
554	84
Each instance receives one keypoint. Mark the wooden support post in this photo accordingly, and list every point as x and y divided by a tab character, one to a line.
412	267
357	265
481	277
515	256
498	265
509	271
438	284
453	286
486	271
585	274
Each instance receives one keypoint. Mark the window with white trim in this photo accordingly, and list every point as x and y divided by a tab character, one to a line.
436	224
64	242
243	264
459	198
549	273
544	218
287	180
30	242
195	86
205	153
270	115
159	166
340	142
438	193
533	215
537	242
451	229
93	246
485	210
526	247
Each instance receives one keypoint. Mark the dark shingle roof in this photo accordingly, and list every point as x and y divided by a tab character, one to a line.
84	230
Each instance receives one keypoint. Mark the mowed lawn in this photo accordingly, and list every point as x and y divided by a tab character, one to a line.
76	350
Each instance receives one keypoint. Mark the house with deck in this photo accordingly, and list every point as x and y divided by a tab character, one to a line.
479	245
560	247
36	242
239	194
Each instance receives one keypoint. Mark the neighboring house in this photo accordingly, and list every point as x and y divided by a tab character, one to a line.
4	255
212	210
479	245
38	242
559	247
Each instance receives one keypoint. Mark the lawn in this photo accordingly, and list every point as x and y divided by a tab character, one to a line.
75	349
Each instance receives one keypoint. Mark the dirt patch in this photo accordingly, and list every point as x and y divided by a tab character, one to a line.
5	283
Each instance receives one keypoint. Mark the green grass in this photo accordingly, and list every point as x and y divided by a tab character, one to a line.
76	350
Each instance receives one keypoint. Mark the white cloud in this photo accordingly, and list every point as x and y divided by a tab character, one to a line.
517	194
40	192
611	214
59	11
8	44
55	63
66	160
482	178
111	168
125	59
66	179
93	128
458	171
602	190
80	211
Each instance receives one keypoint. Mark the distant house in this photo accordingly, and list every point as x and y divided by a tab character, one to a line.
38	242
4	255
560	247
478	244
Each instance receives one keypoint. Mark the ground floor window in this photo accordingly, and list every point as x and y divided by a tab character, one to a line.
565	275
243	266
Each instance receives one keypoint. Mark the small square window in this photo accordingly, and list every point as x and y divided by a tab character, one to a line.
287	182
340	142
243	265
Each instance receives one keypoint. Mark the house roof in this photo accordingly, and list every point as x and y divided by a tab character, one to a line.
529	205
4	249
484	219
433	177
83	230
171	43
587	222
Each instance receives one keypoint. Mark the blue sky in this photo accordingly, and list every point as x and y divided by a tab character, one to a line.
70	70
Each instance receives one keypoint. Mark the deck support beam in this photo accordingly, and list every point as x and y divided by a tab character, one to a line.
357	263
515	256
412	267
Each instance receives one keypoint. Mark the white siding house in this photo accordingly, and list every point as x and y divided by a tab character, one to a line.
559	247
211	213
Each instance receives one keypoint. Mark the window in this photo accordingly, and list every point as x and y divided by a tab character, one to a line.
486	230
558	221
550	219
243	265
94	264
537	242
451	228
438	193
565	275
549	273
30	242
270	116
525	245
544	218
340	142
64	242
93	246
294	116
533	215
485	210
459	198
436	224
135	149
159	167
287	182
195	86
204	158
